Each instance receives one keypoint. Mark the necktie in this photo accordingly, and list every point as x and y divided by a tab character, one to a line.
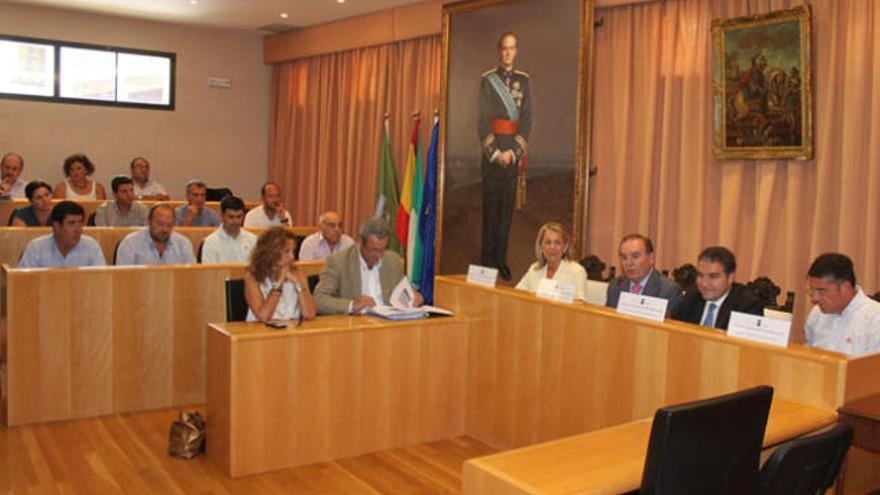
636	289
709	320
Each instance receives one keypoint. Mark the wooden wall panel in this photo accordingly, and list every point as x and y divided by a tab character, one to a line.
86	342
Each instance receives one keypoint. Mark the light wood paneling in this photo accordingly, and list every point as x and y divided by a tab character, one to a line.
338	386
13	240
128	455
539	370
7	207
85	342
607	461
396	24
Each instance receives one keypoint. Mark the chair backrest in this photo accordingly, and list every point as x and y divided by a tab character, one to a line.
313	282
199	252
236	305
597	292
11	216
708	446
91	221
806	465
116	250
217	193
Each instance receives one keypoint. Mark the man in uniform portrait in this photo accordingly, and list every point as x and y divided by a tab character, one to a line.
504	124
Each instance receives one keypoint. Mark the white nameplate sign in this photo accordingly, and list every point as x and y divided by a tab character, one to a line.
771	331
482	275
651	308
555	290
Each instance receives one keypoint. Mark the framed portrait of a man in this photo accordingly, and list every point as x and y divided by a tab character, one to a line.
514	129
763	86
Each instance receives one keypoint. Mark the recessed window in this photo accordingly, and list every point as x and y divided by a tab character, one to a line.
78	73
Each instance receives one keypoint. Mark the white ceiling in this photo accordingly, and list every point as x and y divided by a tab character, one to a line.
234	14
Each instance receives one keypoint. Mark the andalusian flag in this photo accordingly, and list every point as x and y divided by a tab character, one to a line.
414	246
387	192
428	219
404	209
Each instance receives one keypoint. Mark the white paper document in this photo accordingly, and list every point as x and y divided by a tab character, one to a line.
401	308
482	275
651	308
771	331
556	290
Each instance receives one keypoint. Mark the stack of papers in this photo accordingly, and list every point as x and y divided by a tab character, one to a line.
393	313
401	305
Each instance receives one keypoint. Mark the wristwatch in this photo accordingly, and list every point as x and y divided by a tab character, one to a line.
276	287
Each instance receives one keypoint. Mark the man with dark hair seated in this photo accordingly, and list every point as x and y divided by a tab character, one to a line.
844	319
716	294
66	246
158	244
636	254
121	211
229	244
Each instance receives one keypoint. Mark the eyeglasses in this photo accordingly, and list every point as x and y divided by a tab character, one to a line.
819	291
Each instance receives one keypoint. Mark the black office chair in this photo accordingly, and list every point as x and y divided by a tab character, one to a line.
199	252
708	446
91	221
806	466
313	282
116	250
11	216
236	304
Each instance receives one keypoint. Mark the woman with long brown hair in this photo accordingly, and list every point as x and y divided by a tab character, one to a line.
275	289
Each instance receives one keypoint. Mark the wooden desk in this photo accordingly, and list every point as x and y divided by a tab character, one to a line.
861	472
607	461
7	207
338	386
13	240
539	370
93	341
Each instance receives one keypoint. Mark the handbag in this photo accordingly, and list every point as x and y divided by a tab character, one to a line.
186	439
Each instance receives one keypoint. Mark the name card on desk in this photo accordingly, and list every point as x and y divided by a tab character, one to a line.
771	331
555	290
482	275
651	308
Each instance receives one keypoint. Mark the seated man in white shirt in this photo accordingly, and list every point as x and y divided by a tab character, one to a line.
229	244
145	187
66	246
157	244
844	319
271	213
361	276
327	240
11	184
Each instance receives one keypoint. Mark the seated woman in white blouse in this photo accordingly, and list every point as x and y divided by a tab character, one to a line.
275	289
554	262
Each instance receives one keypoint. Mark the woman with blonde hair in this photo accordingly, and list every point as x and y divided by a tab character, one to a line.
275	289
553	261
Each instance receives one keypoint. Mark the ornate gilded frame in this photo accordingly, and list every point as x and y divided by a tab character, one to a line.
762	86
583	118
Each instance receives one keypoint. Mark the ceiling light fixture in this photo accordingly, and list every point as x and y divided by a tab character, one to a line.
193	2
340	1
285	15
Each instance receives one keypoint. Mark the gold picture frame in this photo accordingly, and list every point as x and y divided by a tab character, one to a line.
762	86
470	30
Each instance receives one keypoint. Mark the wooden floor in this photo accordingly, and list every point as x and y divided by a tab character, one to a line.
127	454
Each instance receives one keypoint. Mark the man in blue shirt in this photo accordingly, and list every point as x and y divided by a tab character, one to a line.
66	246
194	213
158	244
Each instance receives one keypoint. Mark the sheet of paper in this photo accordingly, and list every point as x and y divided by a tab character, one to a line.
556	290
403	295
772	331
482	275
651	308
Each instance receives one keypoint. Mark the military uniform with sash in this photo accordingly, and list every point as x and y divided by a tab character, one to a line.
505	121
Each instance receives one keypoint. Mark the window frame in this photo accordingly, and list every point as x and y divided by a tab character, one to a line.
56	98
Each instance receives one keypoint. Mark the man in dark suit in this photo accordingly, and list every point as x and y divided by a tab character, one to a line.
361	276
504	124
717	294
636	254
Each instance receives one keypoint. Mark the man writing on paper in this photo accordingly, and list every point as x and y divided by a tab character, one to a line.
844	319
717	294
639	275
363	275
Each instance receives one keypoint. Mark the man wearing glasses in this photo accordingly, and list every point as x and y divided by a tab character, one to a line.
326	241
844	319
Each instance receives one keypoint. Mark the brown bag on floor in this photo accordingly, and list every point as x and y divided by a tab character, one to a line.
186	439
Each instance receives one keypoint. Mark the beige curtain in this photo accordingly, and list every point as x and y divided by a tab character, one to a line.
652	144
327	122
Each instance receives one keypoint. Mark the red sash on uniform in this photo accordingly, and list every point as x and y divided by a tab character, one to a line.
504	127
